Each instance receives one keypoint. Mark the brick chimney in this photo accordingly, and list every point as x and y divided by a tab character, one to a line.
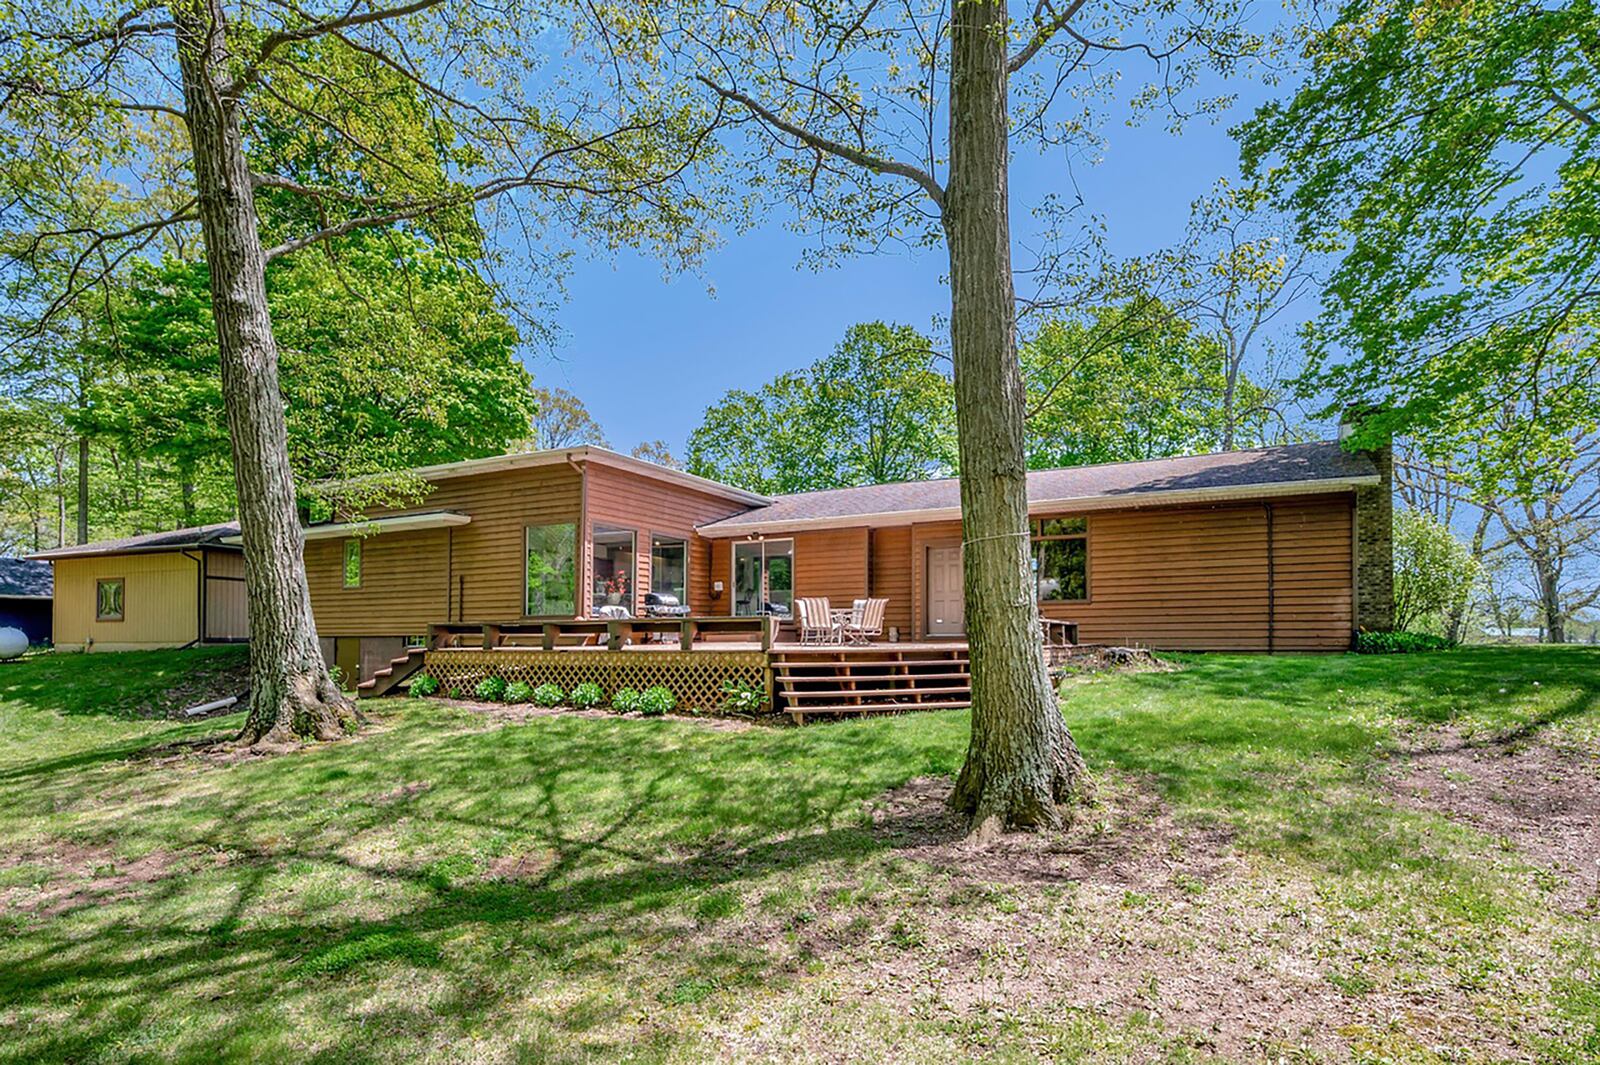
1374	529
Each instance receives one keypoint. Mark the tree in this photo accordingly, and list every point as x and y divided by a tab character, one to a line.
1434	572
658	452
561	420
1135	381
877	409
1449	152
852	110
418	117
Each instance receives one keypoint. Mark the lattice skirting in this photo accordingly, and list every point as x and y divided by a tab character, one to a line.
695	677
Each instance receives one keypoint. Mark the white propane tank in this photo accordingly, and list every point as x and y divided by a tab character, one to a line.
12	642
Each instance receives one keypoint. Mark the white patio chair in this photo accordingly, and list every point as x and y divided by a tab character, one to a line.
866	620
815	620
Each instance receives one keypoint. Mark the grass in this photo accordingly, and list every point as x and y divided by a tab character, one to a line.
452	887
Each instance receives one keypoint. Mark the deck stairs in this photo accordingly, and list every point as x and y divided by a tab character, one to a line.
831	681
392	675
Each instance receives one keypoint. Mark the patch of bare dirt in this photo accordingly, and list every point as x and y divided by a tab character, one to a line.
520	713
74	876
1545	799
1126	912
205	682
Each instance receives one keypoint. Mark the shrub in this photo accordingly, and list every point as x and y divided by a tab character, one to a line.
519	692
425	685
1399	643
657	701
743	697
587	694
548	694
491	689
626	701
1433	571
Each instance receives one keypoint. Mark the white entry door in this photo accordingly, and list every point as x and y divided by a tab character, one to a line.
947	614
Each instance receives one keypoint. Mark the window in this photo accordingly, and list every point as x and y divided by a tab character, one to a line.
551	570
763	577
669	568
108	599
352	563
1061	559
613	567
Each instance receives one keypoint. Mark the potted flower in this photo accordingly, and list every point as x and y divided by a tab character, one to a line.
616	588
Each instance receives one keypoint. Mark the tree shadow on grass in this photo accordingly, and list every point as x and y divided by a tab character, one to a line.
549	925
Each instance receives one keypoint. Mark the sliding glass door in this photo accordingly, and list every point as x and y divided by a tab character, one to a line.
763	577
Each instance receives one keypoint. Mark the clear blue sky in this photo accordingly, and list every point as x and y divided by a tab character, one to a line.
648	356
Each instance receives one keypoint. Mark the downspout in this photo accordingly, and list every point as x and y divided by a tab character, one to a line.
1271	592
199	598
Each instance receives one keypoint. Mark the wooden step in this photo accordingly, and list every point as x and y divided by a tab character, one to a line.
877	693
814	662
386	679
878	708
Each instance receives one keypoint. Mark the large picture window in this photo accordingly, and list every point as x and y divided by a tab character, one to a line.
108	599
1061	559
669	568
613	568
552	571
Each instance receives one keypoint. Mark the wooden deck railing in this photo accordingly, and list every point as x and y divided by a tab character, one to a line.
612	633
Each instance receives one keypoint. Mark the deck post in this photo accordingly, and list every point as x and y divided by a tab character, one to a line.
686	631
491	637
614	635
547	636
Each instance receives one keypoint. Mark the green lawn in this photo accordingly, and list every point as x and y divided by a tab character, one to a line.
1248	885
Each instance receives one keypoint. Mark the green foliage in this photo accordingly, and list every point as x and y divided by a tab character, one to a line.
519	692
877	409
1399	643
549	695
587	695
743	697
656	701
490	689
367	949
627	701
1447	153
424	685
1434	572
1126	382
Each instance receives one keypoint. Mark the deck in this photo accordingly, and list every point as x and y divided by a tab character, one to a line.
697	658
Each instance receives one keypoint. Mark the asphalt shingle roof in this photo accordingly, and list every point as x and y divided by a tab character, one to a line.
171	540
1134	482
24	577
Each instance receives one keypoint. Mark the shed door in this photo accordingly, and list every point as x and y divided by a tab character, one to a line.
946	609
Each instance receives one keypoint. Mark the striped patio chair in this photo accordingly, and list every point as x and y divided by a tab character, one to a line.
814	619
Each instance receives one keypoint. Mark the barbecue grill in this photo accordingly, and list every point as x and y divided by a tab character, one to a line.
663	605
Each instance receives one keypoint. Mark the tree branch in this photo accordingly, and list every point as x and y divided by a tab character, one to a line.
1042	33
277	40
858	156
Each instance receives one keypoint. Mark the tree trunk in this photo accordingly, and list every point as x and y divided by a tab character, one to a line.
83	489
1549	581
1022	763
292	697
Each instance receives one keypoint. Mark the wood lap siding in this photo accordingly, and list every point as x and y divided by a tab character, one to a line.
1313	608
629	500
1197	578
472	572
402	592
891	576
831	563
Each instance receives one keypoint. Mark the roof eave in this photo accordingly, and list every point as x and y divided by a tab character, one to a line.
581	453
732	528
70	553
